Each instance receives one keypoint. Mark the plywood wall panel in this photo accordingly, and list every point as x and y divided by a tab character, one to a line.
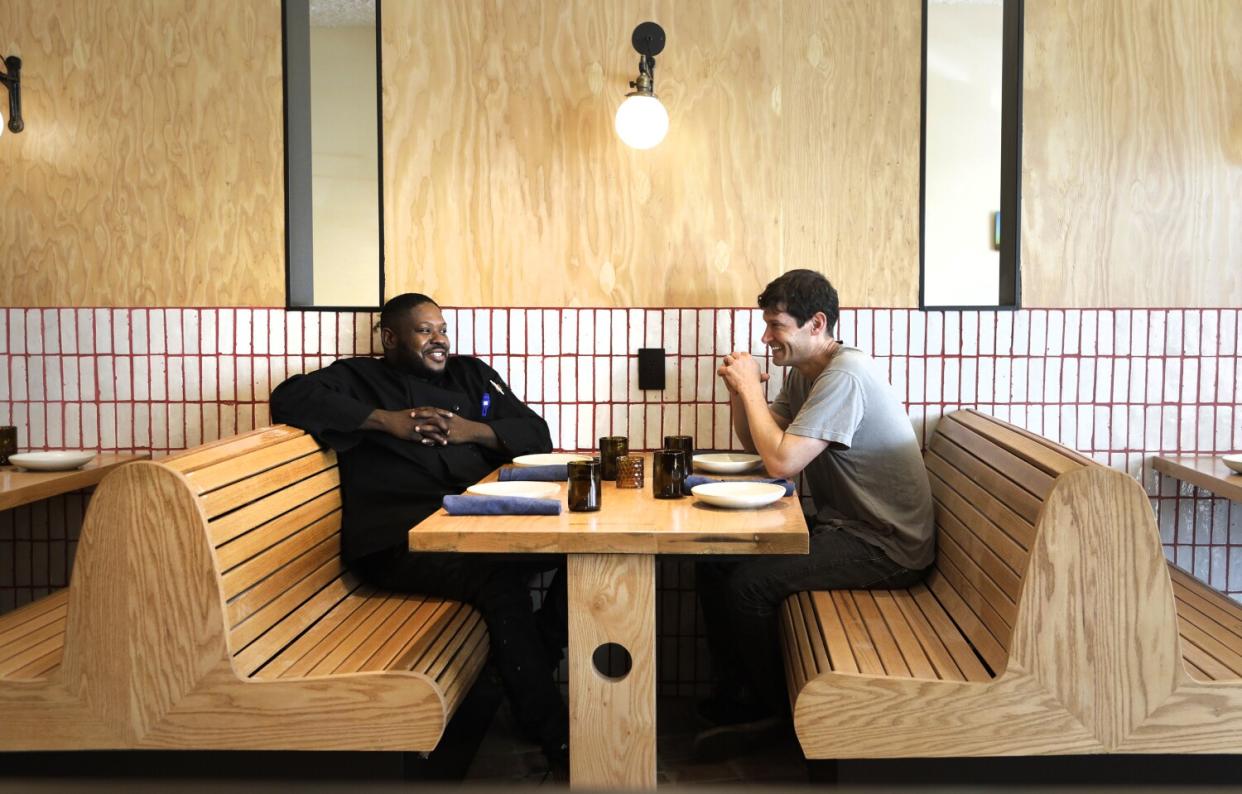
1132	153
150	170
850	145
507	184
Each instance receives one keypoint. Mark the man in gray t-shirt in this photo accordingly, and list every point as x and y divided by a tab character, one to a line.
838	421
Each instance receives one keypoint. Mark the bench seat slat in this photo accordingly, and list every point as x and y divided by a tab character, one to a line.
861	646
304	620
796	663
276	610
820	659
986	600
1223	610
1014	467
31	617
935	646
468	640
420	617
241	493
1050	459
1208	667
1008	534
356	631
912	650
249	464
474	657
281	578
268	534
881	635
1190	615
966	655
1226	659
263	510
839	653
974	538
969	624
257	569
226	448
431	650
989	481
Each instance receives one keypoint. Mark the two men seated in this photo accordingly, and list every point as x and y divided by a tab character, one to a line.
419	424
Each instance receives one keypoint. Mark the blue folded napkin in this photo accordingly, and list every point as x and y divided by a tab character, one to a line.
699	479
470	505
554	473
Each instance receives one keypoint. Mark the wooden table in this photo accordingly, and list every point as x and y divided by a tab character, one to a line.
1205	471
611	580
19	487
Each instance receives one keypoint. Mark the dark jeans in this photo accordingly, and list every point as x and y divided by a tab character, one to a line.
741	595
525	644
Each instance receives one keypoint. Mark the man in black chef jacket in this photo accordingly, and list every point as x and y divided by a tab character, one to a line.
408	429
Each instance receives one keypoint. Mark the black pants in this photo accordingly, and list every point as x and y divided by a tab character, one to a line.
525	644
740	596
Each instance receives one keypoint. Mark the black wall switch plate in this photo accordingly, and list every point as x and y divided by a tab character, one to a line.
650	368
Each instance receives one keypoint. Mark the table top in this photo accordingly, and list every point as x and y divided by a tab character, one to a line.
1205	471
19	487
630	521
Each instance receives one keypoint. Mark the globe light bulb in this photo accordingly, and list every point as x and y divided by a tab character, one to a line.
642	121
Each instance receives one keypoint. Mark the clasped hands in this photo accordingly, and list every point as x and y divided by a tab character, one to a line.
429	426
740	371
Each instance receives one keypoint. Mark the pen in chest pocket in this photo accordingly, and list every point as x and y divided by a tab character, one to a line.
486	402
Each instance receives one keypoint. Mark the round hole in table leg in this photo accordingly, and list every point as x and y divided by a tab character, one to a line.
612	661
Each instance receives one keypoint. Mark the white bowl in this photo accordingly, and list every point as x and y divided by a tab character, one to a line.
1232	461
529	489
738	494
549	459
727	462
64	460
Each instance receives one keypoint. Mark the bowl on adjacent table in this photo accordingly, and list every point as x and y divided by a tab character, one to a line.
1234	462
726	462
527	488
62	460
549	459
738	495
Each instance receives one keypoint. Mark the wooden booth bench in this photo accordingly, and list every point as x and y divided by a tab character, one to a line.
1050	624
209	609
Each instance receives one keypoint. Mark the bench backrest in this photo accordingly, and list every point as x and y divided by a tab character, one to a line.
989	481
273	504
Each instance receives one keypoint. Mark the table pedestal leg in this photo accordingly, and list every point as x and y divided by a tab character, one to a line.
612	720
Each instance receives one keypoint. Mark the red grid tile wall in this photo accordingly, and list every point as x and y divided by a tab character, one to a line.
1119	385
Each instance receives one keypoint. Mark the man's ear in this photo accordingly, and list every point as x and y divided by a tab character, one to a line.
387	338
819	323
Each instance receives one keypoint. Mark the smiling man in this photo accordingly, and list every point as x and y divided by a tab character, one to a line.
408	429
838	421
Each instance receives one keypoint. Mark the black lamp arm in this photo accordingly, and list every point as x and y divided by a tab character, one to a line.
12	80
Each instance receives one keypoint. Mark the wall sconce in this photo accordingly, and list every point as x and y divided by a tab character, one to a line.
12	80
642	121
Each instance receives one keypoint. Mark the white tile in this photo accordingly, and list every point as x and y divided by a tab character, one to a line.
1230	331
722	332
881	343
158	378
706	333
190	331
50	331
517	331
631	369
141	375
262	417
847	328
1205	435
124	378
310	332
1154	380
1209	333
1118	427
245	378
1004	333
210	423
1224	426
651	326
1018	372
269	332
209	369
601	319
1121	380
90	425
569	331
1087	333
1038	332
1122	332
534	332
1054	344
363	332
1103	380
1207	379
68	379
1021	337
1190	381
651	433
176	379
917	389
758	327
1226	377
603	379
1173	342
1186	431
328	332
4	331
1190	332
342	344
268	374
291	339
36	425
1138	380
34	379
569	427
687	383
703	437
901	332
18	380
935	333
1052	380
1105	344
534	379
705	374
952	388
670	331
567	388
585	379
688	327
31	332
102	330
864	337
617	332
551	332
635	329
172	331
1139	331
244	332
671	387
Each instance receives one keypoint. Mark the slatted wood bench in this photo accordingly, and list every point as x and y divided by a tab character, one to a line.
209	609
1048	624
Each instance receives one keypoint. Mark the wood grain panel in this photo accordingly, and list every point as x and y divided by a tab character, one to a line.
501	160
1132	143
150	169
850	145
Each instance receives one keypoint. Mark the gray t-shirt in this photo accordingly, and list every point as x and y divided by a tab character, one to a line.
872	472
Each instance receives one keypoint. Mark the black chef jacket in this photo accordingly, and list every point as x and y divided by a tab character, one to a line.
388	484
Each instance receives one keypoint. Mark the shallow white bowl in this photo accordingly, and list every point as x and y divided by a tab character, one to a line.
548	459
738	494
529	489
727	462
1233	461
64	460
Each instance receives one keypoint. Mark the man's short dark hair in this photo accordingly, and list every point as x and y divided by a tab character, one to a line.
397	307
801	293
